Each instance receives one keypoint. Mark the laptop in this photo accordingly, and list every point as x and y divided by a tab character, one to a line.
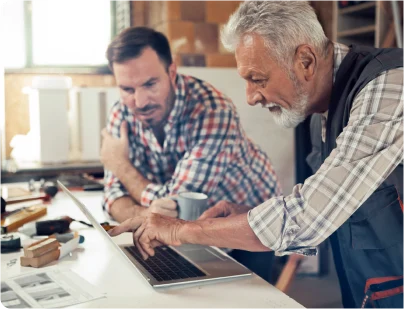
170	265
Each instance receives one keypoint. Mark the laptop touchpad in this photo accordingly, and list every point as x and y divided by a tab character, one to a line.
204	255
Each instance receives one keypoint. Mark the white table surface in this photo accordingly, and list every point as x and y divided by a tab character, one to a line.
124	286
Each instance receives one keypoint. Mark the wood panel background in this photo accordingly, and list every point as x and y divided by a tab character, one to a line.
192	28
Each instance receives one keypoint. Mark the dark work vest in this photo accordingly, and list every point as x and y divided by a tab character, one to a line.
368	247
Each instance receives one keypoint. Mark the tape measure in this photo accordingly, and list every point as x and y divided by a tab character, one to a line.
10	243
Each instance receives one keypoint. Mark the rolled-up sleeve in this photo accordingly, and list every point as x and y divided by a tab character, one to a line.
368	150
113	188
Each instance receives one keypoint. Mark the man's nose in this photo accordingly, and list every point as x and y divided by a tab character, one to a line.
253	97
137	100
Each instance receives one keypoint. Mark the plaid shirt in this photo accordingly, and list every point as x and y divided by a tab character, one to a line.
368	150
205	150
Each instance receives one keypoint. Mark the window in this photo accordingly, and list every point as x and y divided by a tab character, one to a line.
12	34
64	33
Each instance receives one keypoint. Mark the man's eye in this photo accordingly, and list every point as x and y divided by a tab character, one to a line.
258	81
128	90
148	85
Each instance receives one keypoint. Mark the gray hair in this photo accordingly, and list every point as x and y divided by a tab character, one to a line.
284	25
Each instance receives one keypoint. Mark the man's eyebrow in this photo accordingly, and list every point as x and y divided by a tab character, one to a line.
249	74
245	74
150	80
126	87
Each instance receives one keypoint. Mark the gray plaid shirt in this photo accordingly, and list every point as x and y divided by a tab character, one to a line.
368	150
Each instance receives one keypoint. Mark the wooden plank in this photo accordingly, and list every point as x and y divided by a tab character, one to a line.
357	8
335	21
325	15
383	18
356	31
40	260
15	220
288	273
389	38
41	247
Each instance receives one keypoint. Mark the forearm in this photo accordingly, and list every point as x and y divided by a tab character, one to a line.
125	208
133	180
230	232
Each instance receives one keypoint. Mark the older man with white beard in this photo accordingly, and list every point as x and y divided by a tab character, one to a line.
355	97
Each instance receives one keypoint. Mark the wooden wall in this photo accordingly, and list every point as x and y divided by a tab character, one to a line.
192	28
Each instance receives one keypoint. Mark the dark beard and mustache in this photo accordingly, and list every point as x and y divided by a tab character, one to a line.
169	104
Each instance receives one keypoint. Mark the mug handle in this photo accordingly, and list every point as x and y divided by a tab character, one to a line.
175	199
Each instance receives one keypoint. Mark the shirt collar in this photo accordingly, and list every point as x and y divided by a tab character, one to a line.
340	51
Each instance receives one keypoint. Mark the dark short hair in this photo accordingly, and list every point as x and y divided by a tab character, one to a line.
131	42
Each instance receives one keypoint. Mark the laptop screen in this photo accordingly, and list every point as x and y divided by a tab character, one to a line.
93	221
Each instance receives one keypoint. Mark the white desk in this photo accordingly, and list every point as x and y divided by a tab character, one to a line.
125	287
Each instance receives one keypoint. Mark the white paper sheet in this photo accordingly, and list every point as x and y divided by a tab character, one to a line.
47	288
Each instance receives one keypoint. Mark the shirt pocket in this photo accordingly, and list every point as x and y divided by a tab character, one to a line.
378	223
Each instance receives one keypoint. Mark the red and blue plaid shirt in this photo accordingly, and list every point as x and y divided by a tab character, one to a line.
205	150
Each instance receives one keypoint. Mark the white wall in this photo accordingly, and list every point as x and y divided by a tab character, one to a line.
2	117
257	122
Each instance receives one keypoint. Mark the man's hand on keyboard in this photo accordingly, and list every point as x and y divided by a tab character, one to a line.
150	231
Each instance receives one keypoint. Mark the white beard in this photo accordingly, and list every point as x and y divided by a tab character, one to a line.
290	118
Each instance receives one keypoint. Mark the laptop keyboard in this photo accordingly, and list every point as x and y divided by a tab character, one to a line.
166	264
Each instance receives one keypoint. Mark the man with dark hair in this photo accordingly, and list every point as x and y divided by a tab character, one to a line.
171	133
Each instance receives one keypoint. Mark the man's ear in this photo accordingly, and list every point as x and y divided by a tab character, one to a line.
305	61
172	72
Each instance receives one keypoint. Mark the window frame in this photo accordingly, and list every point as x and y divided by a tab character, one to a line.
58	69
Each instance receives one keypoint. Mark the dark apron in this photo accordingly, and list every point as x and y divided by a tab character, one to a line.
368	247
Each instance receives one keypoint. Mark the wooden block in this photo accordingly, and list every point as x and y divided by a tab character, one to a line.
40	260
41	247
162	11
26	198
156	13
220	11
206	38
18	219
177	59
162	27
390	37
193	11
193	60
218	60
138	13
181	35
222	50
174	10
11	192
